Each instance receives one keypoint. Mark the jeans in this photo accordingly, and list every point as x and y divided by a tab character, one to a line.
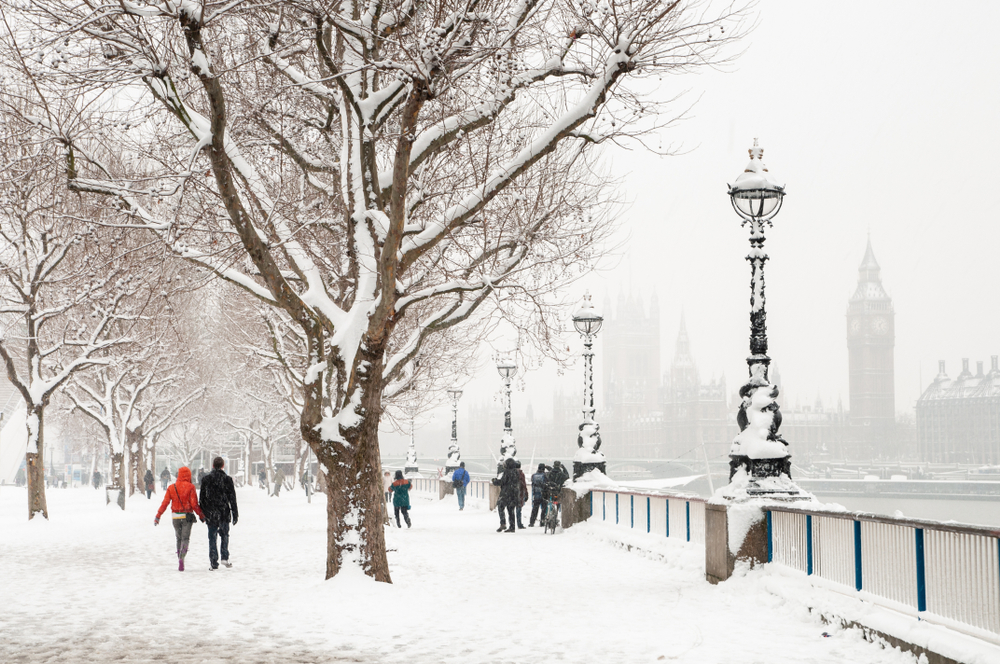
460	492
406	515
222	530
182	530
537	509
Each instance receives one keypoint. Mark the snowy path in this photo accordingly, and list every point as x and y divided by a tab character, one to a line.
95	584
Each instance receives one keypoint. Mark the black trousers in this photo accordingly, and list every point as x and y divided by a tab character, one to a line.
222	530
537	509
510	512
406	514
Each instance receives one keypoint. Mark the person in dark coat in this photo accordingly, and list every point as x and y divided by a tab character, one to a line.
510	488
165	478
522	497
96	479
150	482
537	494
559	475
400	488
218	502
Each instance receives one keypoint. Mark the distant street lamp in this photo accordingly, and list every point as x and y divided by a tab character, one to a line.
507	370
411	454
454	456
758	449
588	457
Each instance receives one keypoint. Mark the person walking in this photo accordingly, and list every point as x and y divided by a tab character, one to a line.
400	489
218	502
150	482
165	478
386	486
522	496
460	479
96	479
262	479
183	501
537	494
509	484
279	479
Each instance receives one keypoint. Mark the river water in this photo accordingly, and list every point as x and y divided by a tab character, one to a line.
978	512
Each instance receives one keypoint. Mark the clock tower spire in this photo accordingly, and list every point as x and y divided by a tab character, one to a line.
870	342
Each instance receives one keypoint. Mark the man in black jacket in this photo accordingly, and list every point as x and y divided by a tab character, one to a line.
510	489
218	501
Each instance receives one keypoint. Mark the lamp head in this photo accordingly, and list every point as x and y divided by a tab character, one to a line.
586	320
756	194
506	368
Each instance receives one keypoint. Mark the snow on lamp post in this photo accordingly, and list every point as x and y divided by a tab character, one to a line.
411	454
759	457
454	456
588	456
507	370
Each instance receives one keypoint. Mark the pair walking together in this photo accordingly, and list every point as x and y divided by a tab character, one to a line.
216	507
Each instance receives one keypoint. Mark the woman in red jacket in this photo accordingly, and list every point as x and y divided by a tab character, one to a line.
183	499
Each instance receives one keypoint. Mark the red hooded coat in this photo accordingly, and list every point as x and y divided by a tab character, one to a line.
181	495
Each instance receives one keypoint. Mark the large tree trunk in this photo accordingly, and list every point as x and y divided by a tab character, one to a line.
354	512
136	461
116	479
34	467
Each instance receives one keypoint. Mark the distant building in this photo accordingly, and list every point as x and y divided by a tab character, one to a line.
631	358
958	421
870	343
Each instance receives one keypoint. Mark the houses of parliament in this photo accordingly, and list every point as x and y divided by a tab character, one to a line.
677	416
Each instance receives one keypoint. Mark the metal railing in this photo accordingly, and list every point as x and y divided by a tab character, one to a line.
940	572
675	516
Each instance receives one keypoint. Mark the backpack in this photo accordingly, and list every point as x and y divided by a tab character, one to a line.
457	483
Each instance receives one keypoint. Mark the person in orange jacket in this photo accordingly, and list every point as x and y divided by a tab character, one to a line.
183	499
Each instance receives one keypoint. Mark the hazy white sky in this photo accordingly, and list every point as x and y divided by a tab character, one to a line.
878	117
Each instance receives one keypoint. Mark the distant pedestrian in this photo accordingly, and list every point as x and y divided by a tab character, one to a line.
522	497
306	483
400	489
150	483
386	484
279	479
201	475
96	479
183	501
537	494
262	478
218	502
165	478
509	484
460	480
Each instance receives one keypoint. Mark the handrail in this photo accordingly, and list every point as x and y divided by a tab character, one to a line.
948	526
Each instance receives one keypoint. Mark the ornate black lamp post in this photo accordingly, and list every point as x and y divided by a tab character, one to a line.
411	454
588	323
758	449
454	456
507	370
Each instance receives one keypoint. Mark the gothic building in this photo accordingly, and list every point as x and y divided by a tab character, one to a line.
631	357
958	421
870	342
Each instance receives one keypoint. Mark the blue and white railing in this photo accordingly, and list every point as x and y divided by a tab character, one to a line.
940	572
676	516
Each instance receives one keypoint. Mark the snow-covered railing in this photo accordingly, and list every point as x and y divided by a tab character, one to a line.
479	487
941	572
656	513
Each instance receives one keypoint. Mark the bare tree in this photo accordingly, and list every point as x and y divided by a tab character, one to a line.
380	172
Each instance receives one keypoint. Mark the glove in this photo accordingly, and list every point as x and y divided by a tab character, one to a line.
235	519
156	521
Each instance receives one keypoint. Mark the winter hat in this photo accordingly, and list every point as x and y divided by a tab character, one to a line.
399	474
541	467
509	463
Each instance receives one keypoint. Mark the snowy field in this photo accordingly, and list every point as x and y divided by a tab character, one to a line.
94	584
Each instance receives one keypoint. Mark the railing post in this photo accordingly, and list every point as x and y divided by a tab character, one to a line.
809	544
857	555
648	514
921	578
770	538
616	509
667	501
631	511
687	510
591	503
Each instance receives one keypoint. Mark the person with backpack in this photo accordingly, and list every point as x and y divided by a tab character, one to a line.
460	479
183	501
537	494
401	498
150	482
218	502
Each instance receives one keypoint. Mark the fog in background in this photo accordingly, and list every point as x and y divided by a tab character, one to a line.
879	118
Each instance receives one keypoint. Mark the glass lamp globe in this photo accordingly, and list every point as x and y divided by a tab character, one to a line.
756	195
506	368
586	320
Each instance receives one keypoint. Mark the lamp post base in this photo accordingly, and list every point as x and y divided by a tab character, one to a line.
766	477
580	469
410	469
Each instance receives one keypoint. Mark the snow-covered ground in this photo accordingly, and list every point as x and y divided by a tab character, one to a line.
95	584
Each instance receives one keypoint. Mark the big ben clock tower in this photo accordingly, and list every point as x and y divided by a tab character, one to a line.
870	341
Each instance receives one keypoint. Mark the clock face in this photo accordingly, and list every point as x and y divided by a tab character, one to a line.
880	325
855	326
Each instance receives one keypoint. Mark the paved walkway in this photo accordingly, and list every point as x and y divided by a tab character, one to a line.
96	584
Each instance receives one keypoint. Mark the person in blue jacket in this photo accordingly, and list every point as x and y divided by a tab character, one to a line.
461	475
538	494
